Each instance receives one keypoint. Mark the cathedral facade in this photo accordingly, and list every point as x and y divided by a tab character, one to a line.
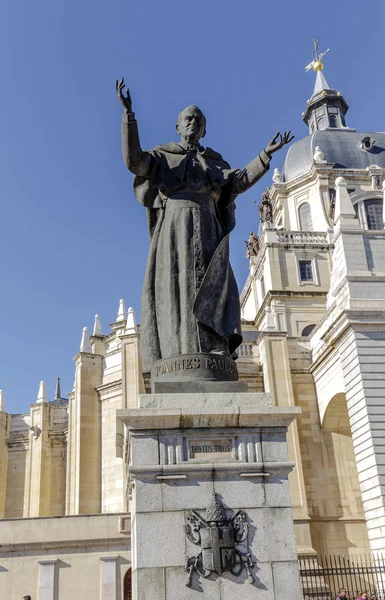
313	315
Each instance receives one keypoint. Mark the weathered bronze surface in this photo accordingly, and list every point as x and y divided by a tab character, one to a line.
190	300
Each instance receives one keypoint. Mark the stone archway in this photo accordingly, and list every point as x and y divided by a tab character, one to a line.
336	416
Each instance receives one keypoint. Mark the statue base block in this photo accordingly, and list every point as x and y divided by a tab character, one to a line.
211	509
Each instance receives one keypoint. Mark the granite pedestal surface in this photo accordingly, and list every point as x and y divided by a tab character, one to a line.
188	451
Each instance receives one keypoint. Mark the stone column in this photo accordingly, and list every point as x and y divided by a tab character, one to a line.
189	451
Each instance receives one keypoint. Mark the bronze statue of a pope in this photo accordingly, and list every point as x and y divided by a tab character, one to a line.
190	302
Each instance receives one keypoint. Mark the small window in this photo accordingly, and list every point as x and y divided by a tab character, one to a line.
333	121
305	220
307	330
321	123
305	270
373	210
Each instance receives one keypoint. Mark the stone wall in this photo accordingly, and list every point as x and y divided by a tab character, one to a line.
64	557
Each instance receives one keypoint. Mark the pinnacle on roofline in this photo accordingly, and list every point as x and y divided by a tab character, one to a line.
121	312
85	344
42	394
57	391
131	326
97	326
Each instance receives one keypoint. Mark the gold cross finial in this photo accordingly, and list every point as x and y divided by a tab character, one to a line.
316	64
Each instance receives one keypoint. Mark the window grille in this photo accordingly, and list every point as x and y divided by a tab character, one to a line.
373	210
305	270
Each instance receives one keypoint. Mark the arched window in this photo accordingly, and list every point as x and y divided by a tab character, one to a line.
321	122
304	214
333	121
307	330
127	586
374	216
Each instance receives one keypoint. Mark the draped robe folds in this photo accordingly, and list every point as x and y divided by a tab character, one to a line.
190	299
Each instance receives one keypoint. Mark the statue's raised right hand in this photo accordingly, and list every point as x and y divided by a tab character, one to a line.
124	99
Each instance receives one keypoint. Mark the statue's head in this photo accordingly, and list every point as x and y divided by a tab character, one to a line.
26	597
191	124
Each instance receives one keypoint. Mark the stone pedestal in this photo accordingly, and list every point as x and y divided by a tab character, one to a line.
188	451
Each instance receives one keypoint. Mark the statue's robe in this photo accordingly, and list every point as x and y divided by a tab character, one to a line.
190	300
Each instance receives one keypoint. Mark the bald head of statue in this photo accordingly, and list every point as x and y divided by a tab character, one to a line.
191	124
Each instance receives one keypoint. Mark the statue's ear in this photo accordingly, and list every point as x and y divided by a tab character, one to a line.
177	128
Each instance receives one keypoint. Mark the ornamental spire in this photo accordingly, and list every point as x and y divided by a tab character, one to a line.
326	108
2	401
316	64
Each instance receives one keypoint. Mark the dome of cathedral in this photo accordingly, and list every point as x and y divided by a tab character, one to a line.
346	149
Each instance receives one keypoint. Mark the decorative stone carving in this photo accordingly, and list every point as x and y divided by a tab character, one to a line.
319	156
219	538
332	198
376	176
36	431
252	245
266	208
277	177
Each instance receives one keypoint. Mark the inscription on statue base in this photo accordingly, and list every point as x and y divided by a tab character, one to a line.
194	367
211	449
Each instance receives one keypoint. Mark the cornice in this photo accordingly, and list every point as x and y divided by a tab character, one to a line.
38	547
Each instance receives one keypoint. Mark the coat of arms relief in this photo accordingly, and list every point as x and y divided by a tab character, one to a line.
223	542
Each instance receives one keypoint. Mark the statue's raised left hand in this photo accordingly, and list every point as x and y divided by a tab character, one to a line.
124	99
278	142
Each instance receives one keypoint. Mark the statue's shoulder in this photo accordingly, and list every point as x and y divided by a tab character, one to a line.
211	154
172	148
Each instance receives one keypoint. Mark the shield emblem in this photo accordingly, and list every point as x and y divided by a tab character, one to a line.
218	548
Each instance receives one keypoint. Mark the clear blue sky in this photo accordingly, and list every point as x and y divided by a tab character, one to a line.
73	239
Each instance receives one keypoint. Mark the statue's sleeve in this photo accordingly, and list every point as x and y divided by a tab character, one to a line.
136	160
244	179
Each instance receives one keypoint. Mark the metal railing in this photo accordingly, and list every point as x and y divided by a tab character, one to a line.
322	577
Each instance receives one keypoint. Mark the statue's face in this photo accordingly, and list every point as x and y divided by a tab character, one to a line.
191	124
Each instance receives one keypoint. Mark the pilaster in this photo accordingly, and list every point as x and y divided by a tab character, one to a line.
38	471
274	355
84	437
132	377
363	360
4	433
